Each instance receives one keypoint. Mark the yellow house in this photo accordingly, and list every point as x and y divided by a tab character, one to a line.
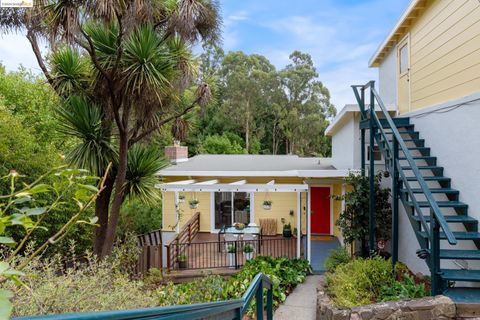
268	191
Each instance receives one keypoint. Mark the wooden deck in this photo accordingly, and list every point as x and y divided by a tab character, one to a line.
207	252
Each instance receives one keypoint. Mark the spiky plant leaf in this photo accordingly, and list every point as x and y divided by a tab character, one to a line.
83	120
144	163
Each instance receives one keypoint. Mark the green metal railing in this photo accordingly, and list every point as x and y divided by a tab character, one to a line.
390	151
231	309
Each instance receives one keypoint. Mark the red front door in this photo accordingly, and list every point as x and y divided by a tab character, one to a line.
320	210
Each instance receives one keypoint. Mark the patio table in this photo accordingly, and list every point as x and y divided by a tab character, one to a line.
247	230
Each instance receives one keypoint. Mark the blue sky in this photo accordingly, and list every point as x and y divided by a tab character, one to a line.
341	36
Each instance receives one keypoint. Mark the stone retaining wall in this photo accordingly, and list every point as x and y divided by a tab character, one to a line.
429	308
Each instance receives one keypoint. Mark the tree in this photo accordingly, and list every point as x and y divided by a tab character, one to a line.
353	221
227	143
127	63
307	104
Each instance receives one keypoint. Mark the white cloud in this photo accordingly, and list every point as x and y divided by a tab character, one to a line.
15	50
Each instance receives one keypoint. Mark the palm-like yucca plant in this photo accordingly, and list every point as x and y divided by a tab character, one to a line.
144	163
83	120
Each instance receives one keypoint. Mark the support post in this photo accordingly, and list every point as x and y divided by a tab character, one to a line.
177	213
270	303
435	255
259	301
309	229
362	136
371	175
299	215
395	198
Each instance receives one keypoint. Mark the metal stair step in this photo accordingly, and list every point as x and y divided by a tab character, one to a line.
423	167
453	254
419	158
461	295
418	149
411	140
460	275
453	219
432	178
441	204
433	190
459	235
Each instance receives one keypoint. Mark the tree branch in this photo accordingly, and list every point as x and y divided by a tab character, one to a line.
38	55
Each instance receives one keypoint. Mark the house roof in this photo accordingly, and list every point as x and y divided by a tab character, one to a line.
409	16
347	112
254	166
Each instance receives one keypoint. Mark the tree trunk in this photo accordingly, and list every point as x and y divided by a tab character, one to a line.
247	138
102	205
118	195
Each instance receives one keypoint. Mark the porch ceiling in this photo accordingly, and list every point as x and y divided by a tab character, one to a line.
238	186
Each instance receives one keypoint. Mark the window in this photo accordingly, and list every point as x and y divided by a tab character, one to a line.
377	154
231	207
403	58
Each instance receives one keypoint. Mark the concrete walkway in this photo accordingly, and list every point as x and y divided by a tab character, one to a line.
301	303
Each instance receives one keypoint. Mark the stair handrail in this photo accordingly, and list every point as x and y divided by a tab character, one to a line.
435	209
228	309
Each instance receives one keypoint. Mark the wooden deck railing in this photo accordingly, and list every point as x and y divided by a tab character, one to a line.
176	246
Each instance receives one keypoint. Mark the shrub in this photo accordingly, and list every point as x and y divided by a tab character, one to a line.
406	288
90	286
360	281
336	258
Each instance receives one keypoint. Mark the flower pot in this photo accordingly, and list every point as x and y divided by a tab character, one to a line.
287	233
267	206
248	255
182	264
231	260
181	200
193	206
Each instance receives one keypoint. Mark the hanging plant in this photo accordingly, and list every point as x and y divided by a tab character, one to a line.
193	203
181	198
267	204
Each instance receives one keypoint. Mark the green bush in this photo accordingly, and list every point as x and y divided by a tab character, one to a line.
336	258
360	281
406	288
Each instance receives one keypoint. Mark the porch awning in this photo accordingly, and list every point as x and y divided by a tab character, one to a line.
237	186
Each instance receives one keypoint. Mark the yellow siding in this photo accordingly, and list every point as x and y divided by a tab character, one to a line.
282	203
445	52
169	217
337	208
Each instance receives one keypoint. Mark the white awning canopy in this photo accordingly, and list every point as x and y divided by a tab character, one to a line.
238	186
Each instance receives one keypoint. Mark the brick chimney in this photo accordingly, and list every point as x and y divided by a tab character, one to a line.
176	153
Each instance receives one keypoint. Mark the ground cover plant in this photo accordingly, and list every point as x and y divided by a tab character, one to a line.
369	280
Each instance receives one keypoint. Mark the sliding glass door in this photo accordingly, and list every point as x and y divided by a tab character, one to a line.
231	207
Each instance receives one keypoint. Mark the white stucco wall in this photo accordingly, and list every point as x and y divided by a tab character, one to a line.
387	78
452	132
346	144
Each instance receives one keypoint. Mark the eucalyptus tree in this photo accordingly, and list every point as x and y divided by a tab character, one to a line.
307	104
123	69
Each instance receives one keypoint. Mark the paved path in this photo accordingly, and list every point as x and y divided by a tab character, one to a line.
301	303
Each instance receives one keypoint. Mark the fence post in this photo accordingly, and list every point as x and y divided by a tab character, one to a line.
236	254
269	303
168	258
190	233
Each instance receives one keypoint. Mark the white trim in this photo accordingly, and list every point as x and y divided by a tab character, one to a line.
309	233
289	173
299	226
252	207
209	182
238	183
400	21
182	182
212	213
177	213
463	101
232	188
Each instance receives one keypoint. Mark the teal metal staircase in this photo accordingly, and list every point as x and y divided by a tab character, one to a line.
432	205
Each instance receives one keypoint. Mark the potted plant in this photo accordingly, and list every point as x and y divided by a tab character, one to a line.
182	261
287	230
267	204
181	198
231	252
193	203
239	226
248	251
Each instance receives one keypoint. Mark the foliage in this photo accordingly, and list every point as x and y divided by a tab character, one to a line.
221	144
231	248
353	221
406	288
248	248
283	272
337	257
28	206
87	285
139	218
267	202
193	202
206	289
359	281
